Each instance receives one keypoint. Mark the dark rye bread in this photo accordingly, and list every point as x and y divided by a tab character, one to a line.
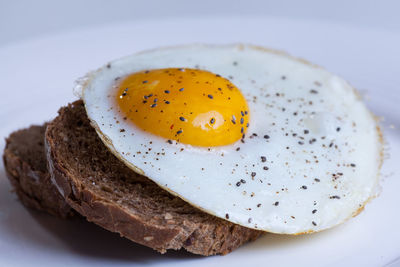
25	164
101	188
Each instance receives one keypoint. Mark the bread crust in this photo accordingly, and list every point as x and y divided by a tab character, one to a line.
26	170
198	232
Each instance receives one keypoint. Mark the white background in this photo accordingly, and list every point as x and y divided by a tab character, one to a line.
22	19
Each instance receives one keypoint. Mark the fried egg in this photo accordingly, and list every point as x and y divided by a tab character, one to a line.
247	134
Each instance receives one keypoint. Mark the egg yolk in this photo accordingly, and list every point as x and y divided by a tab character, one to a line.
191	106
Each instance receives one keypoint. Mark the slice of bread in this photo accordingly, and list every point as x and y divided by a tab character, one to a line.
101	188
25	164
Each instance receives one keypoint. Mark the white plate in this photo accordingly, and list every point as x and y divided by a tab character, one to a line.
37	77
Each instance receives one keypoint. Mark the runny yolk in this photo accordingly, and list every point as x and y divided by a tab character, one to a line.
190	106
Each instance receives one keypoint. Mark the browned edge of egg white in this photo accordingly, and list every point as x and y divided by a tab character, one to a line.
109	144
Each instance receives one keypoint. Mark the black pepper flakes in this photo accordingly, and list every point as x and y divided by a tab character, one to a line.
314	211
166	91
169	142
238	184
250	220
306	131
337	129
233	119
317	180
312	141
265	168
212	121
352	165
266	136
314	223
227	216
154	105
253	174
334	197
167	102
276	203
210	97
180	90
258	205
303	187
182	118
242	181
263	159
241	120
179	132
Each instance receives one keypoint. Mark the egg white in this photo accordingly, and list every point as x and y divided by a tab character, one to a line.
322	146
